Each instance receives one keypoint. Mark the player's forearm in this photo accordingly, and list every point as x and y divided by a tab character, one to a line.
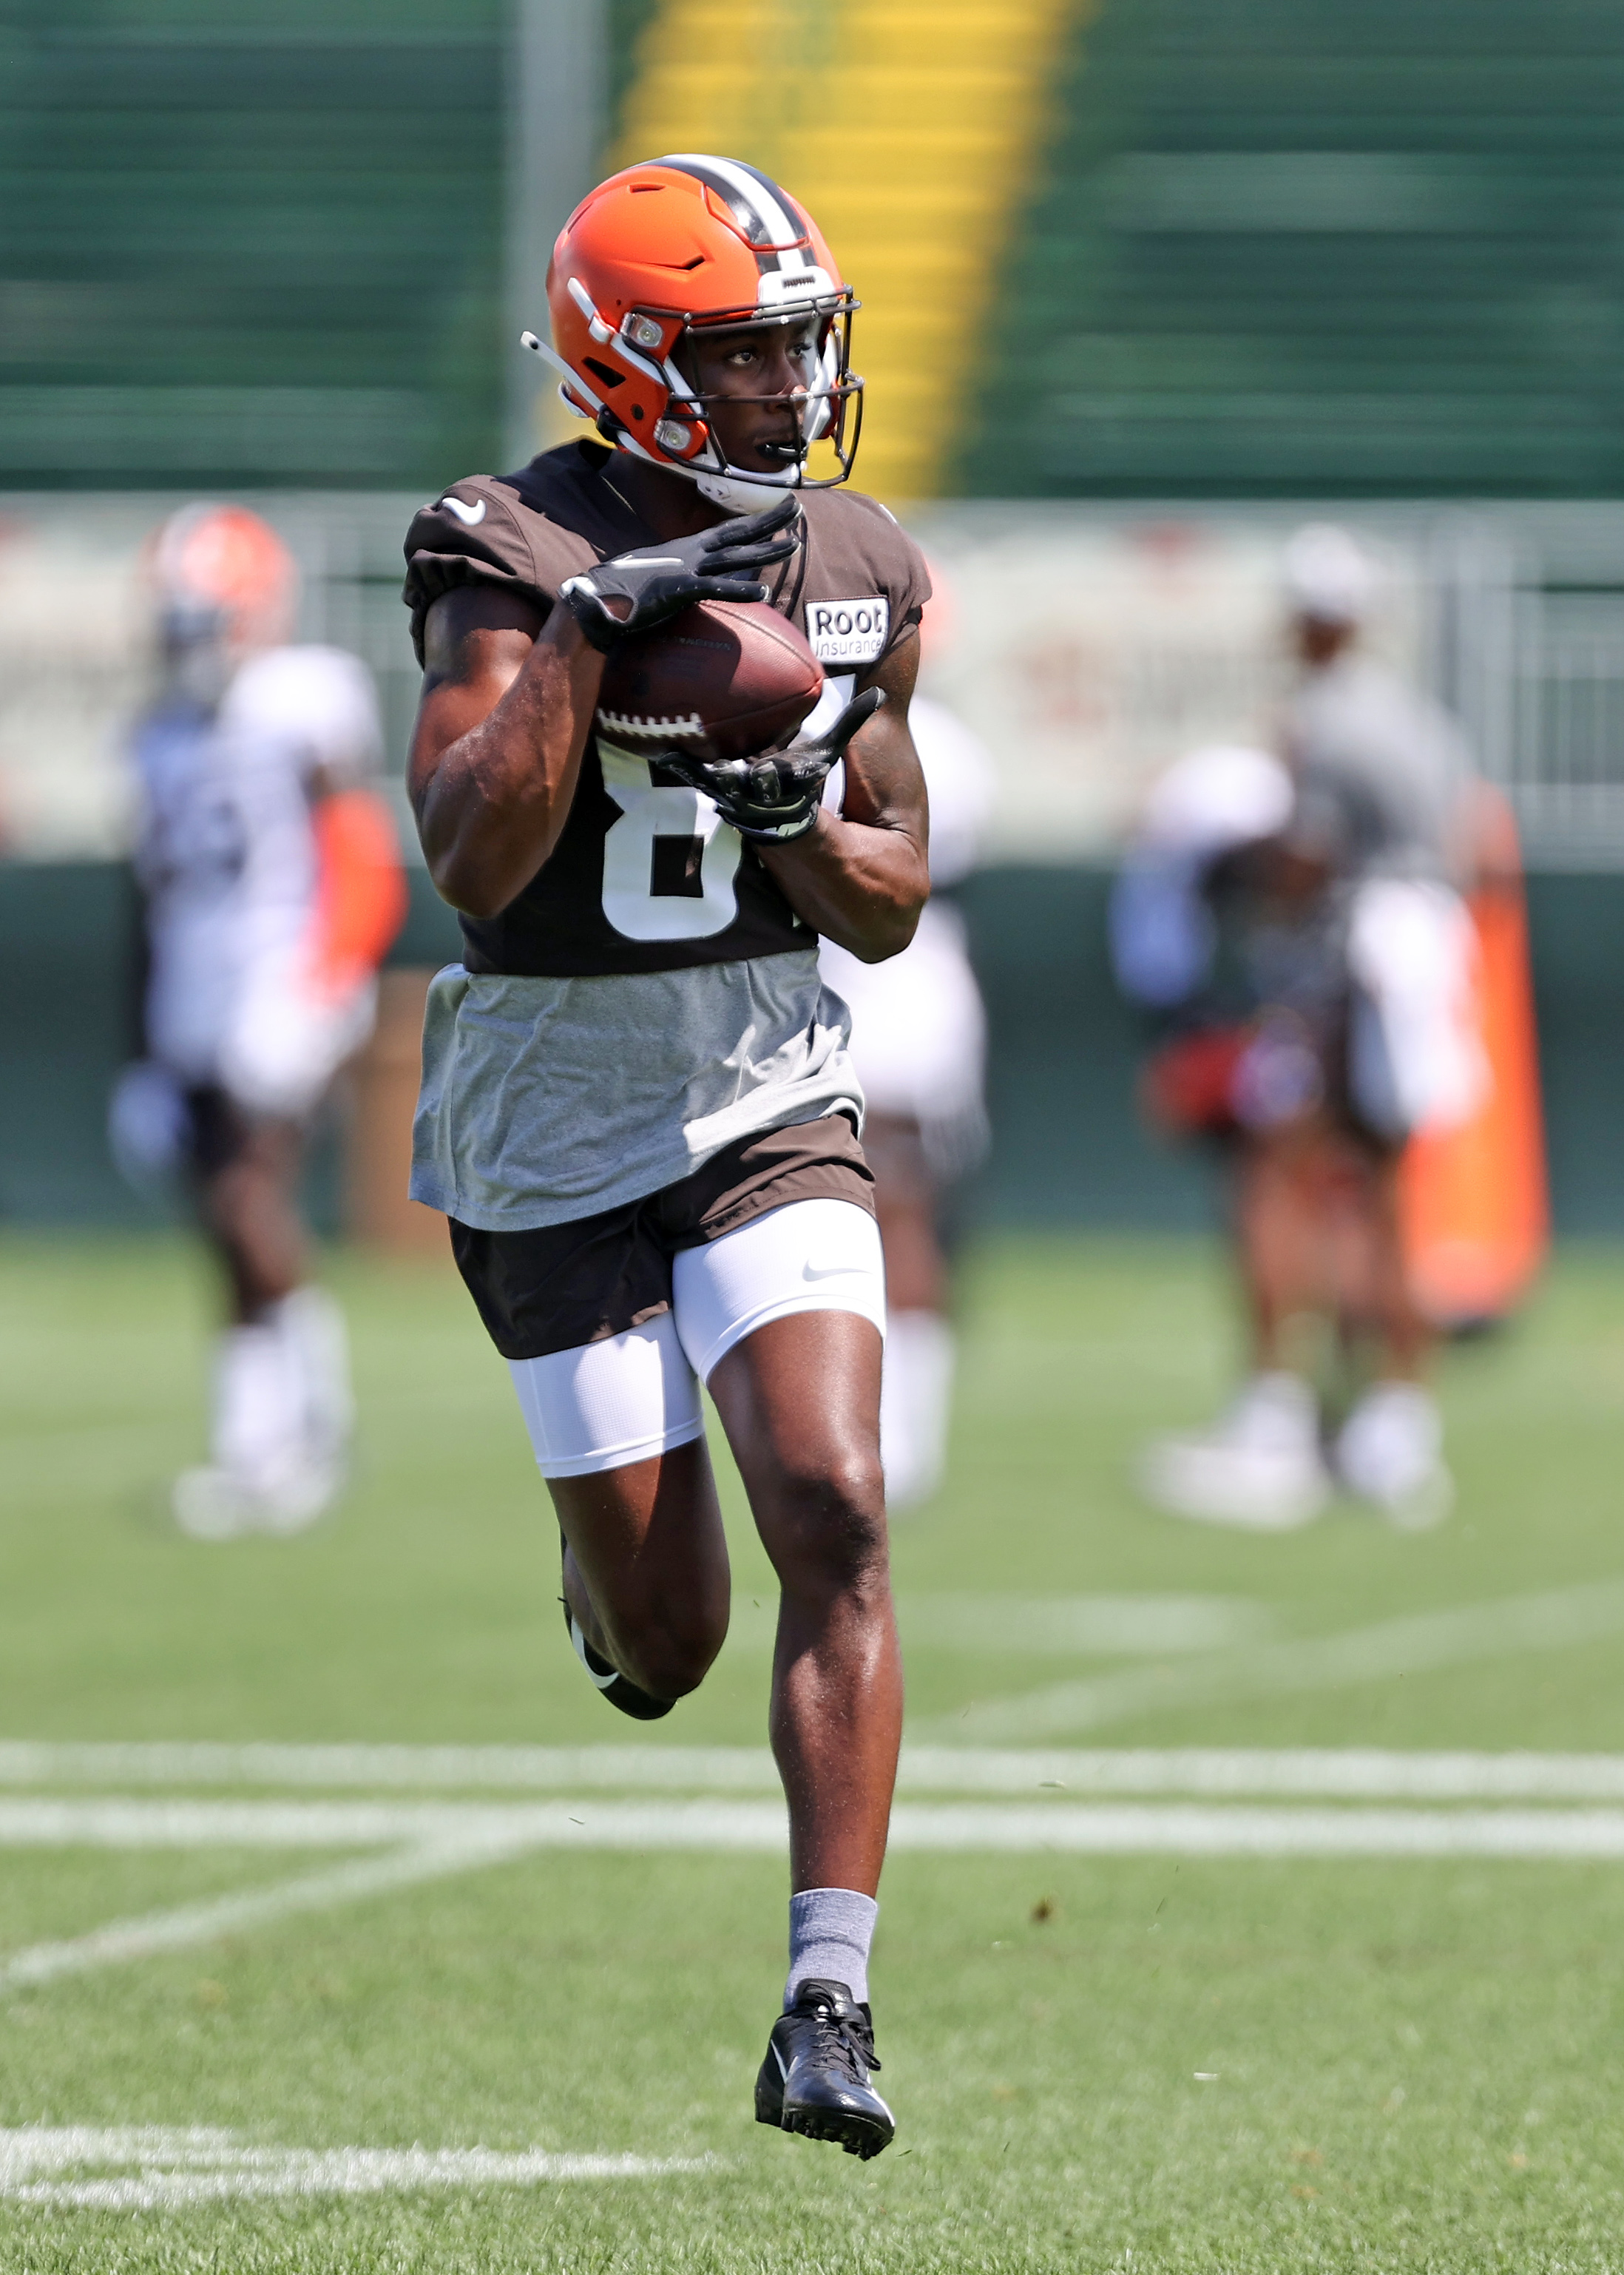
493	805
862	887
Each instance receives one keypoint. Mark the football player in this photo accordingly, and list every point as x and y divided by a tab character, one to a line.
1338	874
638	1110
273	888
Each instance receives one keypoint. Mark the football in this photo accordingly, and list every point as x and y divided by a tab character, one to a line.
727	680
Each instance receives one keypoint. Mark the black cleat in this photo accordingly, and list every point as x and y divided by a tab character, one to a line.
815	2077
642	1705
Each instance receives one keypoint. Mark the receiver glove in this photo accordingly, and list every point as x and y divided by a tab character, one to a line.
774	798
663	577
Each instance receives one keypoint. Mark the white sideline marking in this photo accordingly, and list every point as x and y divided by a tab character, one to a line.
1354	1773
198	2166
1370	1654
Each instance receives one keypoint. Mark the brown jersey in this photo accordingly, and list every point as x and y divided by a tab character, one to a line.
645	876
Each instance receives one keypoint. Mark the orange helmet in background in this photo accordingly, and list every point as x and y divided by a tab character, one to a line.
223	577
685	245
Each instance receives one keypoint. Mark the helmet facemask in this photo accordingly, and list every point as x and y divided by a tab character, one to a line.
828	410
651	343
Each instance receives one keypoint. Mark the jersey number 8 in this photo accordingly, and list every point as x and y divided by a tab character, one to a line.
669	862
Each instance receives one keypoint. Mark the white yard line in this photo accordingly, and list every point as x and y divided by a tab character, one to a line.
1351	1772
431	1840
1354	1773
1300	1773
1189	1829
1080	1627
1389	1648
452	1826
199	2166
455	1769
443	1837
39	1822
1410	1646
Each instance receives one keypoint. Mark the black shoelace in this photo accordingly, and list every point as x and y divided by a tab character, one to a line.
847	2039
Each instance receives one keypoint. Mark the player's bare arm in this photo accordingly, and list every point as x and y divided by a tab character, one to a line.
507	706
862	876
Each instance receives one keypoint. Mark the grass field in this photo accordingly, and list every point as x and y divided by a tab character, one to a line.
1189	2049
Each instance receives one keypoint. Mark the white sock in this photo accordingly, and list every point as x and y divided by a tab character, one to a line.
916	1390
257	1420
312	1327
1274	1413
830	1931
1391	1443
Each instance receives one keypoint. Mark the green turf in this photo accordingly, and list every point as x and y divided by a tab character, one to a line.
1417	2066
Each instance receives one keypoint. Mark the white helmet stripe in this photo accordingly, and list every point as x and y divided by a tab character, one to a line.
758	198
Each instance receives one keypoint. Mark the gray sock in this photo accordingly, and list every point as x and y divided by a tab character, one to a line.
830	1931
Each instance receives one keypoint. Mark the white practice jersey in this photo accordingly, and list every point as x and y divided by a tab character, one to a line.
1393	761
227	855
919	1030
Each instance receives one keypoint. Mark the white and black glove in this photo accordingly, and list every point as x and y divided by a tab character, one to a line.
662	579
774	798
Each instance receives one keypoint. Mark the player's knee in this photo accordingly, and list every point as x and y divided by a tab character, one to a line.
669	1661
831	1533
669	1649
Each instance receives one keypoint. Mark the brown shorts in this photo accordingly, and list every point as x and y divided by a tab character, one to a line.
567	1284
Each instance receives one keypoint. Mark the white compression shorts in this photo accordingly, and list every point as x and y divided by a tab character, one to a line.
631	1396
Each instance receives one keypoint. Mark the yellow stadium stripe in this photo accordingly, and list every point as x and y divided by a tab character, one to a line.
911	129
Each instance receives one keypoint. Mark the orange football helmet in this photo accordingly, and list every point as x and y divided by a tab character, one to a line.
685	245
221	574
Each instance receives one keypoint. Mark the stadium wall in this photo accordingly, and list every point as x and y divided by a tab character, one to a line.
1067	1144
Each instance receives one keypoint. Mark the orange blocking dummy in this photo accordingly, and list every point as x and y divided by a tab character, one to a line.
1473	1198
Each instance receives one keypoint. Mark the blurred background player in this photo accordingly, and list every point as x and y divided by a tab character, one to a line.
1332	879
271	876
918	1036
